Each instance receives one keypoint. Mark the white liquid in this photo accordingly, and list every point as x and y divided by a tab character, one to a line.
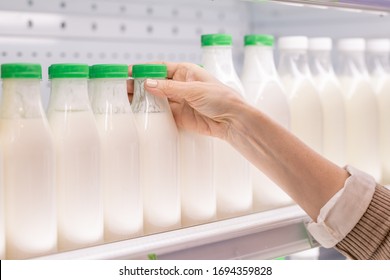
272	101
334	145
362	126
383	97
159	171
123	216
80	211
232	173
198	195
306	111
29	188
234	189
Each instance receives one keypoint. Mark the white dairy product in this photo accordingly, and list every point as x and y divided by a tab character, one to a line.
123	215
267	195
80	205
265	91
332	100
29	165
198	195
29	181
80	216
232	173
378	53
158	138
159	173
304	100
120	177
361	108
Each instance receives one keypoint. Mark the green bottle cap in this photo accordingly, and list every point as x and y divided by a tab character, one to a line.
149	71
21	71
108	71
68	70
216	40
259	40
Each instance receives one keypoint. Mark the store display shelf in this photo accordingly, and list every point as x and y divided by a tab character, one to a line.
380	6
264	235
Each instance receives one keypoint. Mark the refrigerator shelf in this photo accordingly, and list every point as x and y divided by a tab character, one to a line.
264	235
381	6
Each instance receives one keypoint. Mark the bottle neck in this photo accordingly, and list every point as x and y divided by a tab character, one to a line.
218	61
260	58
21	99
221	55
144	102
320	63
69	95
378	63
109	96
352	63
294	63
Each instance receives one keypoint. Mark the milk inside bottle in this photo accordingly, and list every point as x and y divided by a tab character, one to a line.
329	89
29	165
198	195
232	177
378	64
120	152
361	108
80	207
304	100
158	152
265	91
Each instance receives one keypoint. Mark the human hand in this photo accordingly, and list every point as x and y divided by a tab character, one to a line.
199	102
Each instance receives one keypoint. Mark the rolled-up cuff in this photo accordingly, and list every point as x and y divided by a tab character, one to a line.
343	211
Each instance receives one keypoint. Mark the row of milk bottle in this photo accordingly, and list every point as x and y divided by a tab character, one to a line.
88	170
95	168
343	117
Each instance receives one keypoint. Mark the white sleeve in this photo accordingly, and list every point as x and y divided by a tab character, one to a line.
343	211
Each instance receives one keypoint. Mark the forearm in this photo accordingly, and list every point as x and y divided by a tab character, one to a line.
307	177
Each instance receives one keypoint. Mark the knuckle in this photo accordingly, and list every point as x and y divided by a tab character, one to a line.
168	85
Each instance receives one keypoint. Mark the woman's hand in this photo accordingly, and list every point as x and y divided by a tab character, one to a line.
196	99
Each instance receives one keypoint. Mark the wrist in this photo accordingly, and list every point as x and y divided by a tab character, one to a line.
241	113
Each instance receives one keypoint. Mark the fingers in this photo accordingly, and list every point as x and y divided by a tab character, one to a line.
130	86
167	88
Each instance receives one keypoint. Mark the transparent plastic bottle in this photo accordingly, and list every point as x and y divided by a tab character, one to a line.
361	107
197	190
378	64
80	206
304	100
265	91
158	152
332	99
120	152
232	173
29	164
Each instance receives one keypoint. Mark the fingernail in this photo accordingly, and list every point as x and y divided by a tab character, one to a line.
151	83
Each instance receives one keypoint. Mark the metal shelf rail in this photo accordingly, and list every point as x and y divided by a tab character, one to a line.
264	235
364	5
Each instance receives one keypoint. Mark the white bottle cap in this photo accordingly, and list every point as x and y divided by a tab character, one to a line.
320	44
293	42
378	45
351	44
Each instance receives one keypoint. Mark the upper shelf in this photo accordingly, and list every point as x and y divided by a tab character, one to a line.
264	235
381	6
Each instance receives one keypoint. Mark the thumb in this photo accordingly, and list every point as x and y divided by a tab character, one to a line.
171	89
